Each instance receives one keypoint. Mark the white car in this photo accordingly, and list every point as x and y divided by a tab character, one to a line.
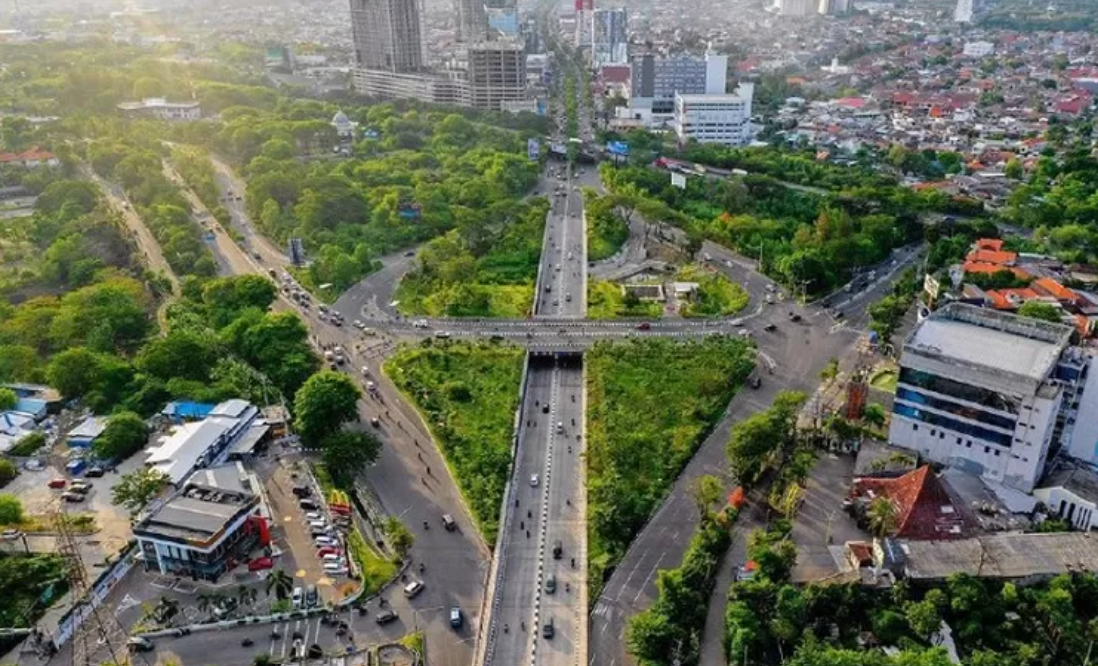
534	480
322	541
335	568
314	515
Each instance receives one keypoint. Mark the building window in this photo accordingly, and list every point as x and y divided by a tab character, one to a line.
987	449
914	427
996	453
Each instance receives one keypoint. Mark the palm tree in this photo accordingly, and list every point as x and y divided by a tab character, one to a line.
882	516
280	583
246	596
874	415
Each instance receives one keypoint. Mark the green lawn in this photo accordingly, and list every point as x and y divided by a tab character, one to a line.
885	380
467	394
605	301
717	296
376	570
651	402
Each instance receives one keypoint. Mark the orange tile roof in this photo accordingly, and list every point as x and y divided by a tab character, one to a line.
924	510
995	244
984	267
1000	298
1054	288
993	257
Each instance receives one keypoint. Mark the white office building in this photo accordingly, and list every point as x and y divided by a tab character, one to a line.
724	119
978	391
962	13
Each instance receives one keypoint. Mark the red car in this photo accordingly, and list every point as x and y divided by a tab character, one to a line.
260	563
643	326
340	508
57	483
328	550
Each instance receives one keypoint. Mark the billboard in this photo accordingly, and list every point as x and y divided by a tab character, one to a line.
678	180
617	148
533	149
558	148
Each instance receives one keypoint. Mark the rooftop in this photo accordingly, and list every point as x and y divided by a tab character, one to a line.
177	453
1007	556
1077	479
210	500
89	428
923	508
984	340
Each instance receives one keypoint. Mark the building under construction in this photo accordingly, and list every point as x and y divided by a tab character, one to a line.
497	73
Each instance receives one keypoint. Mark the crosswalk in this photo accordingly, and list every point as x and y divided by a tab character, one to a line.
295	635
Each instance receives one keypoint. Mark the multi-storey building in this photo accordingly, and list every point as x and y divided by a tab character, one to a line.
962	13
797	7
833	7
653	76
207	527
497	74
387	35
978	391
609	41
724	119
161	109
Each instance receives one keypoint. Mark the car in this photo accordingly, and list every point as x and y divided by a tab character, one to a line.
302	491
139	644
756	382
318	524
314	515
770	299
644	326
410	253
298	597
456	618
260	564
312	597
743	333
321	541
793	316
413	588
328	550
386	616
307	504
560	426
375	421
443	335
770	328
82	487
72	497
558	550
545	408
57	483
332	557
95	472
550	584
837	313
568	297
547	628
319	531
534	480
448	522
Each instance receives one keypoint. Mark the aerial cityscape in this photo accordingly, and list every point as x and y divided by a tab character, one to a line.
548	333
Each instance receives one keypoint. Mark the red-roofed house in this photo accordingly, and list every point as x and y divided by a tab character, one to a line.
922	508
998	257
1049	287
1011	299
995	244
29	159
990	269
850	102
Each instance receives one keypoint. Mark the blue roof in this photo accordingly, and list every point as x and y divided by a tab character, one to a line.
187	410
31	406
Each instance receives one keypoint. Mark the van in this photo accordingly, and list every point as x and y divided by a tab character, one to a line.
413	588
308	505
297	597
448	522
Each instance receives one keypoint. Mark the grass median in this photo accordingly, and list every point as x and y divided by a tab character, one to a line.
651	403
467	394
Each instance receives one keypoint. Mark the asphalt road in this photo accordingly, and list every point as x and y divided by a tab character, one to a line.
798	351
456	563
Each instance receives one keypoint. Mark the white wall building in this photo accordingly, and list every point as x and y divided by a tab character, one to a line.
1081	422
979	49
716	73
963	11
1071	493
158	107
976	391
724	119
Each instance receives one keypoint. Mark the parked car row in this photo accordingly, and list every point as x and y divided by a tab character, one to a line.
325	530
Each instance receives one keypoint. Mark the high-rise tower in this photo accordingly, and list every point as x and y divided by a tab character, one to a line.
963	12
387	35
472	20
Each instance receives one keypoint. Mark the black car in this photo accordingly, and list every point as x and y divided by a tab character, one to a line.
793	316
770	328
545	409
558	549
94	472
756	382
303	491
385	616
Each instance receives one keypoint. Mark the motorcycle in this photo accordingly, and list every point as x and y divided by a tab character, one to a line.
247	642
